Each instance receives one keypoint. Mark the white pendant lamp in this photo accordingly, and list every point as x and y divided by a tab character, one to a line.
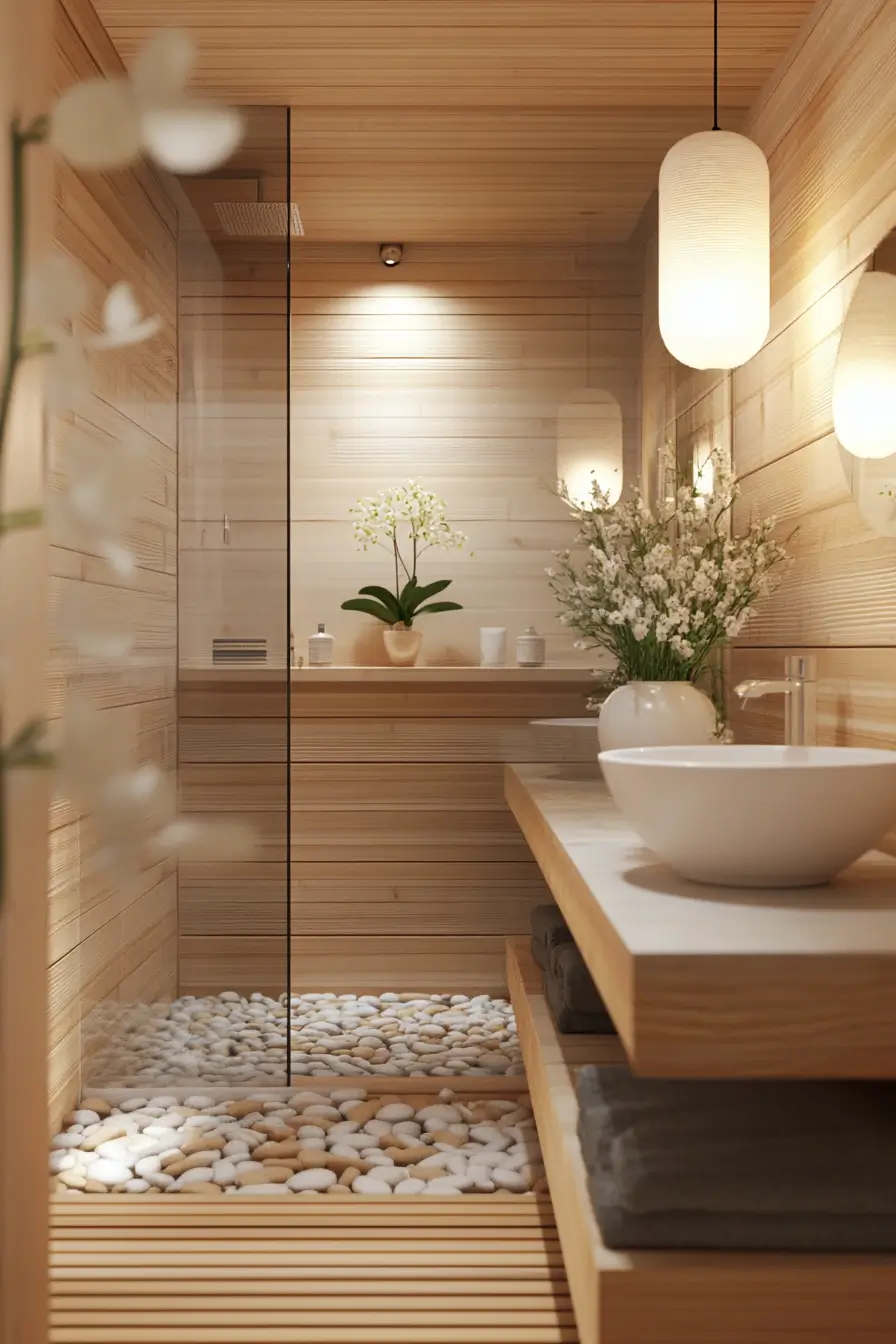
865	373
714	244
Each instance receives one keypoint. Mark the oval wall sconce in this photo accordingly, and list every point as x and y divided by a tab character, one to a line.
714	244
589	445
864	399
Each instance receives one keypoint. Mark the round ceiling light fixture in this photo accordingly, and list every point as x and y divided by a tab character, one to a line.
391	253
714	244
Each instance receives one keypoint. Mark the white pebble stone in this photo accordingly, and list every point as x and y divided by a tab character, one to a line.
132	1104
136	1187
410	1186
379	1127
442	1112
398	1110
322	1109
200	1102
508	1180
61	1160
376	1158
148	1166
224	1173
87	1117
317	1178
109	1172
356	1141
63	1141
369	1185
236	1148
159	1180
391	1175
248	1166
442	1185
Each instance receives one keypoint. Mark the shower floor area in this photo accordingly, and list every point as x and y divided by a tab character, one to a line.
229	1038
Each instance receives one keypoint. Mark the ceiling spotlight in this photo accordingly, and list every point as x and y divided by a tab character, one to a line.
391	253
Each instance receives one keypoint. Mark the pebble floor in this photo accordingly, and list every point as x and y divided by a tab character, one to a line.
350	1141
229	1038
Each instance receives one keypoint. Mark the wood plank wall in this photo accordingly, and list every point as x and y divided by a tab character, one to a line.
112	948
408	869
454	369
826	121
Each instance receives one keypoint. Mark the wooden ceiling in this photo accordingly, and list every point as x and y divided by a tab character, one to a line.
473	120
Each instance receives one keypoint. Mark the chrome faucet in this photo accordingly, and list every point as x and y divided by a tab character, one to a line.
798	686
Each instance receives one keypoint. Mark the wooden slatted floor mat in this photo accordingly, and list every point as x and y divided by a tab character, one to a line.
146	1270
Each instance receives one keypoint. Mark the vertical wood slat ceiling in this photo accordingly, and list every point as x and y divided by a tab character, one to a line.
474	120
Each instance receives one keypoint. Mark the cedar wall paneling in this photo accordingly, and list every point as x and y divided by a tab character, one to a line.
408	869
453	369
26	48
827	121
112	948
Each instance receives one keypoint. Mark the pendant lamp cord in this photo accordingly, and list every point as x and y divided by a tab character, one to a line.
715	65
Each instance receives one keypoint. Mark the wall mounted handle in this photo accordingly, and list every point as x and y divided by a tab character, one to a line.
226	530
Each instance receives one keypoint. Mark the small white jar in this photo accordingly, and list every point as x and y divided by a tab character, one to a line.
320	648
530	648
492	646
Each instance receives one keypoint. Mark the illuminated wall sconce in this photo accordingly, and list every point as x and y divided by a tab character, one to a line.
391	253
714	245
864	399
589	445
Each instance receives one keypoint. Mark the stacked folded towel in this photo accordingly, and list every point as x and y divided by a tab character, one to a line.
572	998
740	1165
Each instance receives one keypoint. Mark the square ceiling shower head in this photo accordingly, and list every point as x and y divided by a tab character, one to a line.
259	219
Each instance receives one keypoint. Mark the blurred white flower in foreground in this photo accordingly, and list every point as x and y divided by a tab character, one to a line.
196	841
103	484
123	321
107	123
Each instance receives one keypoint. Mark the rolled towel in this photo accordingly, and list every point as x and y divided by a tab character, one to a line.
571	993
549	930
770	1164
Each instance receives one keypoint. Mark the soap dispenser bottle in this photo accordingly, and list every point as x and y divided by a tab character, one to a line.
320	648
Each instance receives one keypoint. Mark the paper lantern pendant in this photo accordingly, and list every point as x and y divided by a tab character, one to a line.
865	373
714	250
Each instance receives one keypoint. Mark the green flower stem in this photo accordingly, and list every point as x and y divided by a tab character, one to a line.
19	519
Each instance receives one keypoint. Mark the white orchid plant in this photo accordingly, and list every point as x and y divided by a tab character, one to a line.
102	125
407	521
664	590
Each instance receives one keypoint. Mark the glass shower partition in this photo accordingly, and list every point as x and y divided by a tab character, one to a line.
233	612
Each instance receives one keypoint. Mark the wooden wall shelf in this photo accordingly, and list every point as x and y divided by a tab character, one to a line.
716	982
680	1297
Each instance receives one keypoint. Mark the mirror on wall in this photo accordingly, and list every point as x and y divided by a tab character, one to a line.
589	445
872	480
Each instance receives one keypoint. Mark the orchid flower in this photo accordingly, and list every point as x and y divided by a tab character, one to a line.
104	485
123	321
106	123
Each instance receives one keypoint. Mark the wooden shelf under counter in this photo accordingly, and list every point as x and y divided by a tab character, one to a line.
676	1297
708	981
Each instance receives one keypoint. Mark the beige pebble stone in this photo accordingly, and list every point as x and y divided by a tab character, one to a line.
247	1106
202	1144
408	1157
360	1113
200	1159
97	1104
312	1157
277	1133
447	1136
73	1179
349	1175
290	1148
339	1162
202	1188
426	1173
104	1134
94	1187
339	1190
261	1177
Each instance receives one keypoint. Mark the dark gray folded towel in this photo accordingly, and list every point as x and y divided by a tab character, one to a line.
574	1021
753	1164
549	930
575	989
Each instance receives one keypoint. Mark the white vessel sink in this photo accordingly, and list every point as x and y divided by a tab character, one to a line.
755	816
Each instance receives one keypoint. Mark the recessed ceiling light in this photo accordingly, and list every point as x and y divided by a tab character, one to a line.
391	253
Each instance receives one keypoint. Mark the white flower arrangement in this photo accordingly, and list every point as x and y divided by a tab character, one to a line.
663	591
407	521
102	124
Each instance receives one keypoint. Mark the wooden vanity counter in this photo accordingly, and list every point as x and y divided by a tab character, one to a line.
710	981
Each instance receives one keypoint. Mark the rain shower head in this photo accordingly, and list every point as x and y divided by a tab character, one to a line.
259	219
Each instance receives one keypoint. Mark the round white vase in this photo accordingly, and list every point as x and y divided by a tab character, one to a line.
402	645
656	714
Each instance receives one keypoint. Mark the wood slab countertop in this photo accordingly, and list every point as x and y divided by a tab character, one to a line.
711	981
395	676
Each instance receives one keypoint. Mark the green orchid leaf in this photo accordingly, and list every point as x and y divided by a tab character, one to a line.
438	606
425	593
370	608
389	600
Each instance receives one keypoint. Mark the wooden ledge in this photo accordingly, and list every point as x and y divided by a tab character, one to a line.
677	1297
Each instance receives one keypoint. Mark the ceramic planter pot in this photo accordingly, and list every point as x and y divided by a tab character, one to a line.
656	714
403	645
